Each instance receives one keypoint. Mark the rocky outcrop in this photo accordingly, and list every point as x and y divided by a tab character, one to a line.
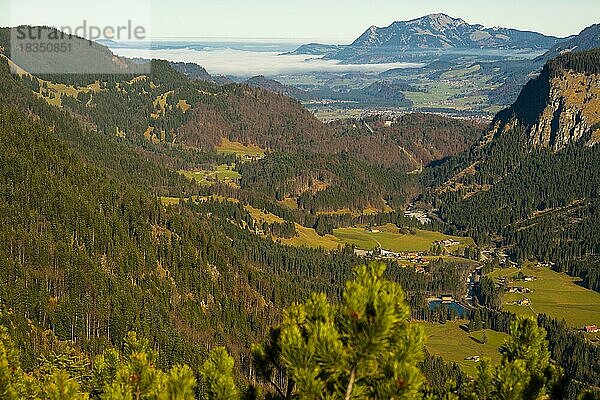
556	109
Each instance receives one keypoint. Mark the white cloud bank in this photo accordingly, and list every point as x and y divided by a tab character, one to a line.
249	63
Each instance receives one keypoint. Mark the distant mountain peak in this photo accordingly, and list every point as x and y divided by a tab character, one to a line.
433	32
441	21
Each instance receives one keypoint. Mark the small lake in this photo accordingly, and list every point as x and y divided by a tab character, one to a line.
460	310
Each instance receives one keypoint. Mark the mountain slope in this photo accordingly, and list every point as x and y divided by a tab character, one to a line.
517	73
83	62
402	40
193	71
588	39
91	255
277	87
532	183
440	31
561	106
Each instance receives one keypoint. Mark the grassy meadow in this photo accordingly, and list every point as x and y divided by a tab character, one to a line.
389	238
454	344
307	237
239	149
554	294
221	173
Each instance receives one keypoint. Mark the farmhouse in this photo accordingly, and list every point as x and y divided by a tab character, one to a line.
447	298
473	358
523	302
446	243
389	254
547	264
361	253
591	329
251	157
519	289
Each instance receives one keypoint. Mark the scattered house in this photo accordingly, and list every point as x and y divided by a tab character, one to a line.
523	302
389	254
446	243
529	278
519	289
447	298
373	230
361	253
388	123
591	329
547	264
473	358
418	259
250	157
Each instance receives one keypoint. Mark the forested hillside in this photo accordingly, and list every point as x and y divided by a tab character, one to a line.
113	219
83	241
90	253
527	186
179	121
369	346
327	183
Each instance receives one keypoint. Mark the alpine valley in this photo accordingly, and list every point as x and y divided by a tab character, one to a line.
171	233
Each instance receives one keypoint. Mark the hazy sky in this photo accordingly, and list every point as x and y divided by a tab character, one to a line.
301	20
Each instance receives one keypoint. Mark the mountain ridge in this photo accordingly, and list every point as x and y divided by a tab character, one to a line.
431	32
559	107
451	32
587	39
530	184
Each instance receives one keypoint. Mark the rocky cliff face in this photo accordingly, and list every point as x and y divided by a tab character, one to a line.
558	108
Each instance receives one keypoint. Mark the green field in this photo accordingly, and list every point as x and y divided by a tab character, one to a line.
455	73
454	344
169	201
307	237
390	239
554	294
239	149
221	173
290	203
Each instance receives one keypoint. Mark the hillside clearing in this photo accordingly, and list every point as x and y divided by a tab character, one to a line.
390	239
454	344
239	149
554	294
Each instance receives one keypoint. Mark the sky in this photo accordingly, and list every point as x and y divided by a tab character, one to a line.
329	21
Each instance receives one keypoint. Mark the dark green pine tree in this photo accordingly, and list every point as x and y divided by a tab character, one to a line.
525	372
217	376
364	347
